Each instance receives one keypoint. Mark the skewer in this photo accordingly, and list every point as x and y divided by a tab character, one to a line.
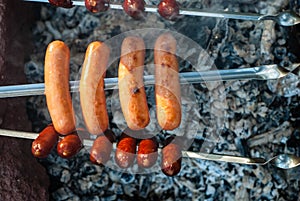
287	18
283	161
188	154
183	11
265	72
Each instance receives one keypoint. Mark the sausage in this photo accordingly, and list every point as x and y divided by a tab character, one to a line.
125	152
167	86
96	6
131	86
171	159
44	143
69	146
57	90
102	148
169	9
134	8
147	152
92	95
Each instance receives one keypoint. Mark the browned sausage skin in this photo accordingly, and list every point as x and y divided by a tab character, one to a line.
92	94
125	152
57	90
102	148
44	143
62	3
69	145
131	86
171	158
147	152
167	86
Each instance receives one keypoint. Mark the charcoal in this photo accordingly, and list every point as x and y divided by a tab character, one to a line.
64	193
90	198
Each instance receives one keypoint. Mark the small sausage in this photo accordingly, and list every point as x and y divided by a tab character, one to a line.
102	148
171	159
147	152
131	86
125	152
169	9
57	90
96	6
92	94
44	143
134	8
167	86
69	146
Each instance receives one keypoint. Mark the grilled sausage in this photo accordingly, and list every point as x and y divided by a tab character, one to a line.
131	86
69	146
171	159
147	152
43	144
57	90
96	6
125	152
169	9
92	95
102	147
167	86
134	8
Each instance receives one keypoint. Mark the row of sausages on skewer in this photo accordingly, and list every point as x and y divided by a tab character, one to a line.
131	88
168	9
126	150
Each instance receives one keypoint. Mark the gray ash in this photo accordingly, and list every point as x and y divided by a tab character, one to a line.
246	118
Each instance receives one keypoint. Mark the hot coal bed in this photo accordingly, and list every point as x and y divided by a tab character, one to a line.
248	118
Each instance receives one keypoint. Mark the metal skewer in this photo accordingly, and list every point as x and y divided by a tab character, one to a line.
266	72
283	161
286	18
